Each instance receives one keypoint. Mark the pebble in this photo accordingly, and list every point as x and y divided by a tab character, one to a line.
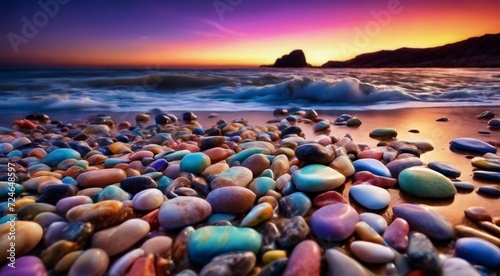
422	254
398	165
234	176
27	265
372	165
212	241
314	154
257	163
472	232
135	184
426	183
478	213
366	233
231	199
27	234
317	178
371	252
148	200
67	203
112	192
292	232
396	235
161	246
425	220
486	164
57	156
493	191
93	261
116	240
353	122
321	126
444	119
487	175
240	263
258	214
445	169
478	251
195	162
273	255
121	265
370	197
457	267
327	198
471	145
366	177
334	222
261	185
305	259
375	221
463	185
494	123
486	115
101	214
340	264
295	204
183	211
343	165
384	133
100	178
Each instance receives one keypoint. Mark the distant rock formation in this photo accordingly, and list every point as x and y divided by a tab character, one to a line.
295	59
481	51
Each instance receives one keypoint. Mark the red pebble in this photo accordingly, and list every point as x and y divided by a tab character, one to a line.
327	198
370	153
144	266
24	124
152	219
367	177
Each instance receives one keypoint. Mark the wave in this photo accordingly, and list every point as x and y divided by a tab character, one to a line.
53	103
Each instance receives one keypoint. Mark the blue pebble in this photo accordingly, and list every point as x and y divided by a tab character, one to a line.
445	169
489	190
487	175
198	131
372	165
113	192
478	251
472	145
296	204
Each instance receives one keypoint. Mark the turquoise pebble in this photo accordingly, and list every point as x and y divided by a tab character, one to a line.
372	165
15	153
8	218
178	155
163	183
317	178
211	241
261	185
111	162
57	156
112	192
267	173
68	180
244	154
217	217
6	189
195	162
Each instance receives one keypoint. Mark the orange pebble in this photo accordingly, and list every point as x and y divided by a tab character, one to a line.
39	153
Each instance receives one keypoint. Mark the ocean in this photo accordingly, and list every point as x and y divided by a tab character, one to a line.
244	89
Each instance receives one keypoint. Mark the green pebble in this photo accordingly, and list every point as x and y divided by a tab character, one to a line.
195	162
425	182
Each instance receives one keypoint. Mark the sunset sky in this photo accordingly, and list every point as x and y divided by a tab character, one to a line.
228	32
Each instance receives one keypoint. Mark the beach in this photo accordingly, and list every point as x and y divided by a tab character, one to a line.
434	126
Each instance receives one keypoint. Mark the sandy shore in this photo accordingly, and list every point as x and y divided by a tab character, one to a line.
462	122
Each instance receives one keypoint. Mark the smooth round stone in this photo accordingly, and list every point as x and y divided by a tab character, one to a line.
195	162
398	165
494	123
425	182
292	232
79	232
340	264
343	165
321	126
117	239
370	197
493	191
425	220
135	184
5	148
384	133
456	266
93	261
161	246
376	221
100	214
478	251
372	165
486	115
273	255
295	204
375	180
19	142
54	233
240	263
353	122
422	254
231	200
314	154
244	154
27	234
260	213
486	164
305	259
215	218
212	241
261	185
67	203
7	188
466	231
366	233
329	197
478	214
147	200
216	168
257	163
112	192
445	169
27	265
57	156
334	222
371	252
471	145
485	175
100	178
30	211
96	129
317	178
396	235
234	176
120	266
463	185
183	211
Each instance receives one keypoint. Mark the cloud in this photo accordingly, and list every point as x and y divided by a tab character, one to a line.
223	29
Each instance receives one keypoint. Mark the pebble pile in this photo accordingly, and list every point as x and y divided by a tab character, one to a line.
174	197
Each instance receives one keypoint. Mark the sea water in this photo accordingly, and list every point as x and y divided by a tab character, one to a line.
244	89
